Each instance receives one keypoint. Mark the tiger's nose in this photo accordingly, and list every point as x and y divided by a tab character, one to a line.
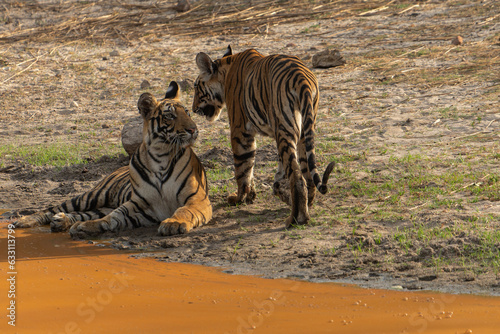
193	132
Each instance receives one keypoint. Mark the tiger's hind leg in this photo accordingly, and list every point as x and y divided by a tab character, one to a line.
299	214
311	188
127	215
281	185
63	221
110	191
37	219
298	189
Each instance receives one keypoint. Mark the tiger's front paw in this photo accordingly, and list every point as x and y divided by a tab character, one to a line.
172	227
292	222
60	223
234	199
247	195
88	229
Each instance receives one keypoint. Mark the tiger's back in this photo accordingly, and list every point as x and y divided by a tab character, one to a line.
271	88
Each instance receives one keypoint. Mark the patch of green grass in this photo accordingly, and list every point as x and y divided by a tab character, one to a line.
219	173
310	29
403	238
419	53
448	112
402	6
489	189
219	189
58	154
476	243
234	251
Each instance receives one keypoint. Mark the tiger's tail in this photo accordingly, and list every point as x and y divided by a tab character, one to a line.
308	108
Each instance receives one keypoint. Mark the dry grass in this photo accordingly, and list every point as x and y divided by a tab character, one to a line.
104	20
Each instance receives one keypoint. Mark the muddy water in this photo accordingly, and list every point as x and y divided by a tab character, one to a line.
65	286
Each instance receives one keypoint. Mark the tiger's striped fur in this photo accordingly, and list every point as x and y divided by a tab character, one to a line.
164	182
276	96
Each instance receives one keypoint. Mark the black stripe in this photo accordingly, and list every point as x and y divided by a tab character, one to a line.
244	173
142	198
183	184
183	168
140	168
244	156
249	144
153	157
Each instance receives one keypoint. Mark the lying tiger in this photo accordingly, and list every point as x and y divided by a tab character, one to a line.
164	183
276	96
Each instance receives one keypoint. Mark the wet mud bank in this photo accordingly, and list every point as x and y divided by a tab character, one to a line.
87	287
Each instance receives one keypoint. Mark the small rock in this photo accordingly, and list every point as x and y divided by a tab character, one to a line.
169	244
182	6
369	242
327	58
426	252
145	84
413	286
469	277
451	250
361	175
132	134
74	104
427	278
186	84
291	45
114	53
457	40
436	122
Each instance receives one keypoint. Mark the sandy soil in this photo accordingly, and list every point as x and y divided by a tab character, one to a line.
412	121
91	289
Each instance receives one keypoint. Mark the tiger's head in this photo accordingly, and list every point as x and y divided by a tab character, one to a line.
167	124
209	97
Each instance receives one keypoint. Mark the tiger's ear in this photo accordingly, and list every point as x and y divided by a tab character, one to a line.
173	91
147	104
229	52
205	64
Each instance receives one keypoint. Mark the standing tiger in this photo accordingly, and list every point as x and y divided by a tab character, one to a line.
276	96
164	182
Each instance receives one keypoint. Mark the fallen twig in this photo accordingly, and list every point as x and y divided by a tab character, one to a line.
23	70
407	9
376	10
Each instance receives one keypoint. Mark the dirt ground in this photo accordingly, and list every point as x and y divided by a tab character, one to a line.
411	120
